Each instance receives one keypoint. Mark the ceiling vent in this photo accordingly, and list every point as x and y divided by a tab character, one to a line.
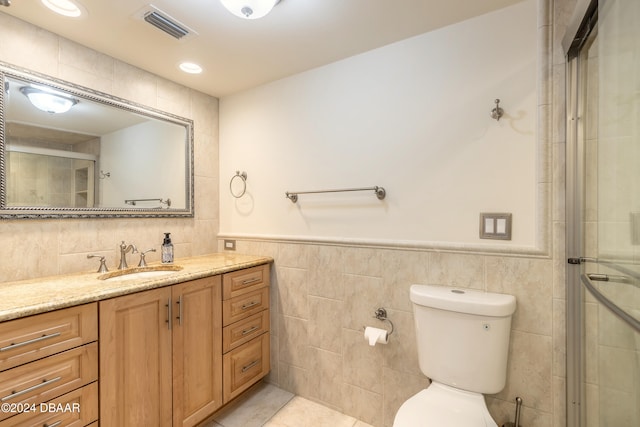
165	22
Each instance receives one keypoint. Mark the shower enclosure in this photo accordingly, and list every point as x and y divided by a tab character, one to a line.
603	214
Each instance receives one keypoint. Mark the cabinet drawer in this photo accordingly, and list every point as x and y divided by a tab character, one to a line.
245	330
242	281
46	379
244	306
74	409
244	366
31	338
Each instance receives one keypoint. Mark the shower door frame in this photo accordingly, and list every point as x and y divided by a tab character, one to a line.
574	241
583	22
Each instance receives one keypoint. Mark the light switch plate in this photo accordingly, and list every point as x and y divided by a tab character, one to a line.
229	245
495	226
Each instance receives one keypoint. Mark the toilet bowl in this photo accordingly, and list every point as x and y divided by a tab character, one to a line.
442	406
463	342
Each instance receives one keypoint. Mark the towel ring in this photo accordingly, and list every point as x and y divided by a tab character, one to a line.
243	177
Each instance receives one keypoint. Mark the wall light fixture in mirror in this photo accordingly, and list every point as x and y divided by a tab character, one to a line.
69	151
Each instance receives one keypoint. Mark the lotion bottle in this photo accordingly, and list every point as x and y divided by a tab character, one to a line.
167	249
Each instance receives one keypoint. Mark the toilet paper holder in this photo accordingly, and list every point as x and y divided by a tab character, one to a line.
381	314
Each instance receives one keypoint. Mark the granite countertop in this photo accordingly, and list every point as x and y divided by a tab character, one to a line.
26	297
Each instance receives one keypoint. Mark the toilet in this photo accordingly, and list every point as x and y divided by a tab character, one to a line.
463	344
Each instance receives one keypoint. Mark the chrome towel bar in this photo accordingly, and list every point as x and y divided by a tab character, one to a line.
380	192
134	201
619	312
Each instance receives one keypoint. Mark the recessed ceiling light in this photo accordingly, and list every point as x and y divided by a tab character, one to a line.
190	67
65	8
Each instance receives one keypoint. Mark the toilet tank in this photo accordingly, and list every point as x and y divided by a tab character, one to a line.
463	336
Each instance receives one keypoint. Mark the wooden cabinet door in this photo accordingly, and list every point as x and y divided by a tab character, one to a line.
197	350
135	360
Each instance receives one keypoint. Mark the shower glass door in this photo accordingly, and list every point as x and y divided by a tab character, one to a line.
603	165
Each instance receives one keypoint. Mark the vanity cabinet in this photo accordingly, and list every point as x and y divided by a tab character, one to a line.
245	314
50	359
160	355
169	356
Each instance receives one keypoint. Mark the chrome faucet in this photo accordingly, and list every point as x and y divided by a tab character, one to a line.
143	261
123	254
103	264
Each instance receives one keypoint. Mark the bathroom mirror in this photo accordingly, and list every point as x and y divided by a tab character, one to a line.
69	151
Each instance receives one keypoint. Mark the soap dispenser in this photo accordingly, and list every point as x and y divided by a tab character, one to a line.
167	249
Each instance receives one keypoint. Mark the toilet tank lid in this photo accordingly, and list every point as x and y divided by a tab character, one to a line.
463	300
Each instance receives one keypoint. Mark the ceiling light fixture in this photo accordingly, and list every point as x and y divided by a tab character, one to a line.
49	101
190	67
66	8
249	9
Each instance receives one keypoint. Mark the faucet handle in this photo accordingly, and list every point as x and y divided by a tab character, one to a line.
143	261
103	265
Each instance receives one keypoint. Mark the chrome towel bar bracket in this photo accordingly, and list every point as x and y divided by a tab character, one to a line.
379	191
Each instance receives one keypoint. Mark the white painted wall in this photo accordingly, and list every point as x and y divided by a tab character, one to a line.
412	117
161	175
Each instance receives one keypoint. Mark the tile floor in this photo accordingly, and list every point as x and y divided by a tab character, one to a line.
268	406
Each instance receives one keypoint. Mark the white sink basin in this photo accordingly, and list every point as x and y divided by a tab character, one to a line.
140	273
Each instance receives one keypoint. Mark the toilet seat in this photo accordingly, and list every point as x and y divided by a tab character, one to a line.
442	406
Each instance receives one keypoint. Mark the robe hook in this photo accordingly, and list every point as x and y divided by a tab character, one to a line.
497	112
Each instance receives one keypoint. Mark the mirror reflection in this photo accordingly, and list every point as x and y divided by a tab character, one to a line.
66	151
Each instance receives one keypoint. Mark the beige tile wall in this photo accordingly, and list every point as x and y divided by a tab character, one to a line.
38	179
323	295
48	247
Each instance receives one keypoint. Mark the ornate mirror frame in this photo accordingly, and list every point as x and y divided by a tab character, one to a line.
83	93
